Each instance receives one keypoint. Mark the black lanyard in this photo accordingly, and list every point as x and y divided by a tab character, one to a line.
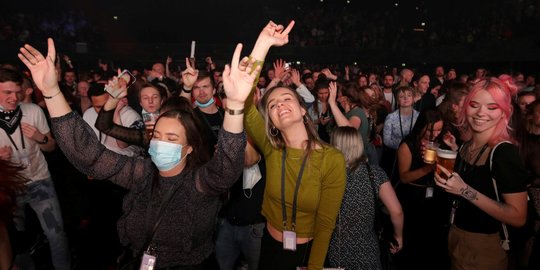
464	170
401	127
283	209
163	205
22	139
462	166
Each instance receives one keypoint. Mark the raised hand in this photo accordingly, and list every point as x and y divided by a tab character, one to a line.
118	85
332	89
238	79
276	35
328	74
42	68
450	140
189	75
279	68
168	61
295	77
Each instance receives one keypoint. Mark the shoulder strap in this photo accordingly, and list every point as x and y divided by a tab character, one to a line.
505	241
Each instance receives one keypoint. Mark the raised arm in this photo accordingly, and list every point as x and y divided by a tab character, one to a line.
301	89
340	118
238	79
44	75
105	124
189	77
271	35
225	167
75	138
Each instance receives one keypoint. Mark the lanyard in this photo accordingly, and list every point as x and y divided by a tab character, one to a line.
22	139
462	166
464	170
283	210
163	205
401	127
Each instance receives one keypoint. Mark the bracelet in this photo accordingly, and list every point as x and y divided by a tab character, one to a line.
234	112
49	97
186	90
257	63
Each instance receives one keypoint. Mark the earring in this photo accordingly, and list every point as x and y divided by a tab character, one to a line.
274	131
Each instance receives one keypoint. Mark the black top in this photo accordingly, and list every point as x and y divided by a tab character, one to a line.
184	236
417	162
427	101
244	205
212	123
510	175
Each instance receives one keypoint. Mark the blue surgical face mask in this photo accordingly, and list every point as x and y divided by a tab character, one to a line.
201	105
165	155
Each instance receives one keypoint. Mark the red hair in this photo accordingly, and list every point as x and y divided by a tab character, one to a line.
502	90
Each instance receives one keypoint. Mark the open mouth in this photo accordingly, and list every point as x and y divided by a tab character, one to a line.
283	112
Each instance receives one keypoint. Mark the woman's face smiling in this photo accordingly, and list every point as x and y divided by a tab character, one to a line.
284	108
483	113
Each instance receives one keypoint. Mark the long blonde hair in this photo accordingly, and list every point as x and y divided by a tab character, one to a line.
274	135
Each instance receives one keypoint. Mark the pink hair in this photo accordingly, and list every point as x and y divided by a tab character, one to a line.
502	90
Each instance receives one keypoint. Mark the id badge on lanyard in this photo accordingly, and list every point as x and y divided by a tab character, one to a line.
289	236
149	259
289	240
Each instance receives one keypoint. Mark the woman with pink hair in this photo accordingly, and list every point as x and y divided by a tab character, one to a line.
489	180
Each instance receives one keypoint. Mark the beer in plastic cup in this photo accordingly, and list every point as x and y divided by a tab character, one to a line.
447	159
430	154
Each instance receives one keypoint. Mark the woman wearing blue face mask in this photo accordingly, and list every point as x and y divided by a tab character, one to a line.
172	203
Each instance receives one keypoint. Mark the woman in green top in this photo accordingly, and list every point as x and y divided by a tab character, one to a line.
354	102
305	177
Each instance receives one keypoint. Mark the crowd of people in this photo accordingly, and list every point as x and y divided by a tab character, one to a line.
388	25
264	165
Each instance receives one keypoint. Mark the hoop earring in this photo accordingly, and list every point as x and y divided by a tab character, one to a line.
274	131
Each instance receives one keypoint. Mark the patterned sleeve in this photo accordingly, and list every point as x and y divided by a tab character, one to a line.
225	167
82	148
104	123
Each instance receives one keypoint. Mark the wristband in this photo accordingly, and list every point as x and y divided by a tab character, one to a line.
257	63
186	90
49	97
234	112
44	141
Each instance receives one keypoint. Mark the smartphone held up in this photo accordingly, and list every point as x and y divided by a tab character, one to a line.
124	80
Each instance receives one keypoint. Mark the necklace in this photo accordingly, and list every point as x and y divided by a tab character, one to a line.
465	165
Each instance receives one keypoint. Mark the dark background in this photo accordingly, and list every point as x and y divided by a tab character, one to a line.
137	33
